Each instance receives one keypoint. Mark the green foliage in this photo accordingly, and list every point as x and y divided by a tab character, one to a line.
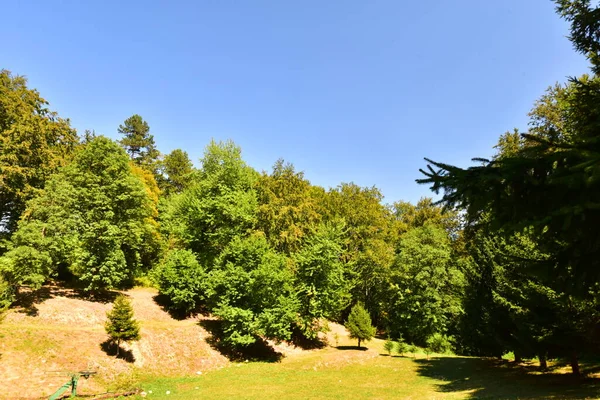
120	324
182	279
368	251
138	142
176	169
95	218
251	290
322	287
426	284
439	343
359	324
288	209
389	345
219	206
34	144
402	347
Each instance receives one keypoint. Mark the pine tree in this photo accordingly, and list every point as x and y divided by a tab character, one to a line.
138	142
120	324
359	324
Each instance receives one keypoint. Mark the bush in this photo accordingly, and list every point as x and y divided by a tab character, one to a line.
181	278
389	346
402	347
439	343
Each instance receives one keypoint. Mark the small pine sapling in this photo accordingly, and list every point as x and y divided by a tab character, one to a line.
120	325
359	324
389	346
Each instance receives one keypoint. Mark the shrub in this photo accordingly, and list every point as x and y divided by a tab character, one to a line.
181	278
439	343
389	346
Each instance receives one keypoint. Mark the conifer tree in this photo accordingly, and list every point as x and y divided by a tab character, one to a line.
120	324
359	324
138	142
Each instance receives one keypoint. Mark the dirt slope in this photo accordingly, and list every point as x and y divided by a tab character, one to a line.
55	329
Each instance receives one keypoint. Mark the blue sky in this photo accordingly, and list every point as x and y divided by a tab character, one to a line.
346	90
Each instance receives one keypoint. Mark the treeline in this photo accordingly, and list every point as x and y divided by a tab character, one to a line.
269	253
509	265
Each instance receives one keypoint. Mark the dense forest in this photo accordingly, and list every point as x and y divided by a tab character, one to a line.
507	261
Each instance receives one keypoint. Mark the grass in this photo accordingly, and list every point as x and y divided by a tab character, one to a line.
349	373
58	330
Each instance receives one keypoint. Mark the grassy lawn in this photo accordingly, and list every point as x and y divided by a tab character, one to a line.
349	374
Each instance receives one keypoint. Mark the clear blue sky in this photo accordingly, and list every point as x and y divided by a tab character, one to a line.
346	90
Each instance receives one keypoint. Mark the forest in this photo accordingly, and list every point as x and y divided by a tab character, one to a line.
505	259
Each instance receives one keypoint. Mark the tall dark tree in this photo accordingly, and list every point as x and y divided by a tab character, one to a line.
551	185
138	142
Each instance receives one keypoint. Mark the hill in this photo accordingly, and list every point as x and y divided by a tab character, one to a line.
55	330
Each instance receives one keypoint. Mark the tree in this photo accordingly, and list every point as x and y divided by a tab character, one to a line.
138	142
323	289
368	246
218	206
34	143
95	218
287	208
359	324
182	279
120	325
176	170
548	185
426	285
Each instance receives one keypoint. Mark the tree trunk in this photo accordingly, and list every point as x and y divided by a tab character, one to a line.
359	343
575	364
543	362
118	346
518	357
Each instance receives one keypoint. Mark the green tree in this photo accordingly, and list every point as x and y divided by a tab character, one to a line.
252	292
320	278
427	285
120	324
526	190
368	252
287	207
138	142
359	324
182	279
34	143
176	171
218	206
94	219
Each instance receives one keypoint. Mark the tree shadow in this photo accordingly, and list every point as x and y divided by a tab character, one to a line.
261	350
166	305
27	299
356	348
298	339
110	348
486	378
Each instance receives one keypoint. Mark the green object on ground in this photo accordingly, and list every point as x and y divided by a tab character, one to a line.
72	383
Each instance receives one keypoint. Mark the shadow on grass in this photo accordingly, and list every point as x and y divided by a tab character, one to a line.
166	305
110	348
356	348
27	300
258	351
485	378
300	340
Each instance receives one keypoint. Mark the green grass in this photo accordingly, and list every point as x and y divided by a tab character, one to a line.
346	374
